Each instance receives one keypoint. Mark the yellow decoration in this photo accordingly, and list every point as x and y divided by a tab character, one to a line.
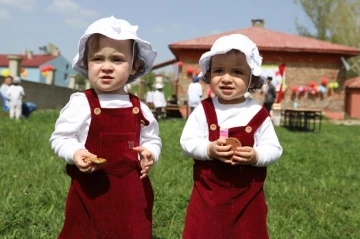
5	72
44	73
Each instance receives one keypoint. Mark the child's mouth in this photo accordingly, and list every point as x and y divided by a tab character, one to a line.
106	79
226	90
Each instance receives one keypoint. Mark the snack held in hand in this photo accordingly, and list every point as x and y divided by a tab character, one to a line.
95	160
234	142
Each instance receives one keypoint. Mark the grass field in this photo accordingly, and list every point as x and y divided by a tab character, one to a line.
312	192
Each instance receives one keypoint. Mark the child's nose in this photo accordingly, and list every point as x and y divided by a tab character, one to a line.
226	77
107	66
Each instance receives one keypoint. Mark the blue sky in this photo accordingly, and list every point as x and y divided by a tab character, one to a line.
28	24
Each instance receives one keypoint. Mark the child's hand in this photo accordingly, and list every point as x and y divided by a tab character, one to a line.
245	156
146	160
79	157
219	150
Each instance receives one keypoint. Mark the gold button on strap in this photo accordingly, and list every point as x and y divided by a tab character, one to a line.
97	111
248	129
213	127
135	110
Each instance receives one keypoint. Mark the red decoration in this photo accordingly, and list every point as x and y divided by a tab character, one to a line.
312	84
294	89
180	63
324	81
281	72
189	70
282	69
46	68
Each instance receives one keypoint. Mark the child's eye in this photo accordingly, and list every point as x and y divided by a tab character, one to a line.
117	60
96	59
217	71
237	72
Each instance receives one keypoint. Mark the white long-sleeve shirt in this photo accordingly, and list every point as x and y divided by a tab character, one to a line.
159	99
194	94
3	91
195	136
14	94
72	126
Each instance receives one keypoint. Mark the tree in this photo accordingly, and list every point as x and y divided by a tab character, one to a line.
150	79
319	12
337	21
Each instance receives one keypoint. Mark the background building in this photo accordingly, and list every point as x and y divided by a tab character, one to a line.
314	74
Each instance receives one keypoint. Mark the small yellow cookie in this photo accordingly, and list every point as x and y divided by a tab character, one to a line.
95	160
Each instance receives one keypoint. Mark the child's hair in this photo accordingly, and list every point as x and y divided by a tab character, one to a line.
92	45
256	81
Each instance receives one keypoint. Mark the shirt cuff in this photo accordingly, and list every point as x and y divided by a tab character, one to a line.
70	151
204	150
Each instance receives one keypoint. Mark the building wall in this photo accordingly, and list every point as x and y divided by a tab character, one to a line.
301	68
28	73
46	96
62	74
63	71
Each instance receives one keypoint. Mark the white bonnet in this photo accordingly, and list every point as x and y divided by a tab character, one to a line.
117	29
227	43
17	80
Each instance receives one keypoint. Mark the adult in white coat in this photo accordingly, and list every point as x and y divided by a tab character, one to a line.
159	100
194	93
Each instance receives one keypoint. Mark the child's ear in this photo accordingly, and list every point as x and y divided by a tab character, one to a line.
135	67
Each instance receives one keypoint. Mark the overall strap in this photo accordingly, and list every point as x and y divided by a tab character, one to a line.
135	101
258	119
92	99
213	127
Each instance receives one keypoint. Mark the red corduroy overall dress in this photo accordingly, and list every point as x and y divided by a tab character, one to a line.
227	202
112	202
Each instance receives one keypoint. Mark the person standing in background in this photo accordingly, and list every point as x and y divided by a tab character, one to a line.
270	94
15	95
149	100
159	100
194	93
3	90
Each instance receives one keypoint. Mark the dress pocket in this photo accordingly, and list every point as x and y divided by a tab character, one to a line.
228	176
116	148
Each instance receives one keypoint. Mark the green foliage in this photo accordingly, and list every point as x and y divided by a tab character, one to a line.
80	80
334	20
149	79
312	192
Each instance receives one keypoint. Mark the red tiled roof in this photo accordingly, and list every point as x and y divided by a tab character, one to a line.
353	82
269	40
35	61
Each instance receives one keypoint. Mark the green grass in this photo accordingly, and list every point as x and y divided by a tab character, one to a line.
312	192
